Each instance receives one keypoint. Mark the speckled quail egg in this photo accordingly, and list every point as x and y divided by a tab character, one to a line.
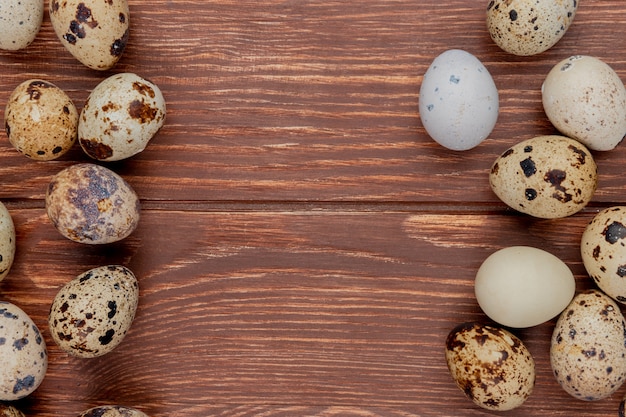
7	241
121	115
603	250
95	32
529	27
588	347
41	120
546	176
458	101
91	314
585	99
20	22
522	286
91	204
23	354
112	411
490	365
10	411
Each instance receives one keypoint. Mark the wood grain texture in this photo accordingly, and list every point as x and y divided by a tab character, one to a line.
304	247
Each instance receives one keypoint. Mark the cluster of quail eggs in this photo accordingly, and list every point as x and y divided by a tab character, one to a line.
86	202
549	177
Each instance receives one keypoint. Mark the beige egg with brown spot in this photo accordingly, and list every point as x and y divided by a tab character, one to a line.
7	241
112	411
529	27
20	22
603	251
490	365
120	117
547	176
91	204
23	354
41	121
10	411
91	314
585	99
95	32
588	347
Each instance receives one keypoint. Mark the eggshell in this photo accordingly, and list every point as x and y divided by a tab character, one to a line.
7	241
41	121
588	347
23	354
20	22
603	251
91	204
95	32
585	99
458	100
529	27
120	117
9	411
91	314
546	176
112	411
522	286
490	365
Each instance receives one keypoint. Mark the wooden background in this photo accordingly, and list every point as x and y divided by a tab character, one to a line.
304	247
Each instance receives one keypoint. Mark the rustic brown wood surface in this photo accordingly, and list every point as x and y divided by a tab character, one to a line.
304	246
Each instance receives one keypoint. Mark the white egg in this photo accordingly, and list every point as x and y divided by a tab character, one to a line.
458	102
522	286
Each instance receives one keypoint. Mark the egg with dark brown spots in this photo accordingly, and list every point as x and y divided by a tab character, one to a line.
91	204
588	347
603	250
529	27
547	176
91	314
121	115
490	365
95	32
41	120
23	354
112	411
10	411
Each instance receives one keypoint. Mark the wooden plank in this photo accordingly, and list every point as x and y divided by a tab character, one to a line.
271	313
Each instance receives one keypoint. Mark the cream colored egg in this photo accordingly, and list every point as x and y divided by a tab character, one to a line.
522	286
588	347
585	99
490	365
91	314
121	115
41	120
529	27
23	354
91	204
603	250
546	176
7	241
112	411
95	32
20	22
